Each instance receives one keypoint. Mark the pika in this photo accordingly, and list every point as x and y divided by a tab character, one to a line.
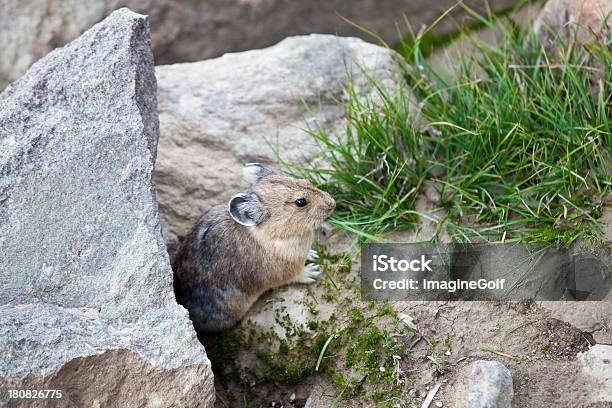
260	240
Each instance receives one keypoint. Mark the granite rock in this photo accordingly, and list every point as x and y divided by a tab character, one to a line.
86	300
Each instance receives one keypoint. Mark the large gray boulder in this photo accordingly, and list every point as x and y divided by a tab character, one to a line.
86	300
218	114
191	30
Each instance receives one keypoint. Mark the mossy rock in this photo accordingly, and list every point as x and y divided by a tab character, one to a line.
295	332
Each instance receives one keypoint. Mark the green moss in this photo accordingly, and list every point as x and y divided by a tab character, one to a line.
378	396
283	347
353	360
338	379
385	309
282	372
287	365
355	315
313	325
370	351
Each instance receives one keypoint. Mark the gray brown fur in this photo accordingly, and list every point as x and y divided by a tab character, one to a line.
223	266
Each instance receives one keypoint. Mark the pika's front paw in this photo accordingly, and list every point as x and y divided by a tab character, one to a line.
313	256
311	273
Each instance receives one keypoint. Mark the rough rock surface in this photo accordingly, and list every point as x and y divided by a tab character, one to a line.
562	17
490	385
597	365
85	284
191	30
218	114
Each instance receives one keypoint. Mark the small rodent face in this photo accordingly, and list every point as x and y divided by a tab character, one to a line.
292	206
280	206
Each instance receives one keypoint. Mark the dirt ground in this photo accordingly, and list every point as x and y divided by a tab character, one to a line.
539	350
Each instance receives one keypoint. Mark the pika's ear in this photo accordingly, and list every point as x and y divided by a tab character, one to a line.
253	172
246	209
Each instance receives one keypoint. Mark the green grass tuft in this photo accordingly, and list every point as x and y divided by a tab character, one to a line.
516	139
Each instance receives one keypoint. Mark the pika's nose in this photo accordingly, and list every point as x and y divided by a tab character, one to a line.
327	207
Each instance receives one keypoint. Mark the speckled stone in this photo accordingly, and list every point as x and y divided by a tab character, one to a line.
86	299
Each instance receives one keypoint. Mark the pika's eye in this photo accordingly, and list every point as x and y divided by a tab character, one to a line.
301	202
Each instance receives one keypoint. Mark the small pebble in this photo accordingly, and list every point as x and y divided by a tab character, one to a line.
438	404
292	397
